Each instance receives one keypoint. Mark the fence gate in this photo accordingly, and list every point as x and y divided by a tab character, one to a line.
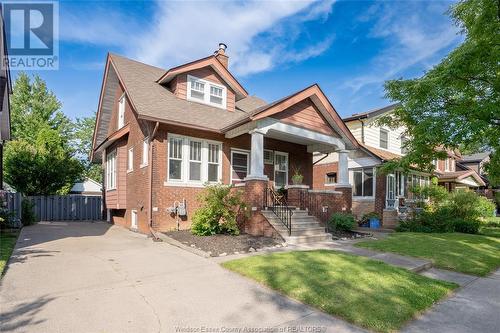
66	207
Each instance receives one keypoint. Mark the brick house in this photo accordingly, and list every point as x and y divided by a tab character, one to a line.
162	134
385	194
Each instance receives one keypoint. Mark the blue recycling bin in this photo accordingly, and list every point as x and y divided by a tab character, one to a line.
374	223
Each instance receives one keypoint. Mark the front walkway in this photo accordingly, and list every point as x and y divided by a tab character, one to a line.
93	277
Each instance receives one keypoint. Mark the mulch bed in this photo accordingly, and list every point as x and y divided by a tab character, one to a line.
220	245
345	235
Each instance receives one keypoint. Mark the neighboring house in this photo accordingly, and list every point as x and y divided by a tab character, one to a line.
87	187
475	162
457	176
388	194
5	92
162	134
372	191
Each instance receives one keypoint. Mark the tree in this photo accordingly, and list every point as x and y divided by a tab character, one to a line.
456	104
82	142
43	167
40	159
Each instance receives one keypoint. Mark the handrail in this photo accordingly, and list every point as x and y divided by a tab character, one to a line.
278	205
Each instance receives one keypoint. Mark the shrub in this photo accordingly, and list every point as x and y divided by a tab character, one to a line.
342	221
218	213
28	216
466	226
470	206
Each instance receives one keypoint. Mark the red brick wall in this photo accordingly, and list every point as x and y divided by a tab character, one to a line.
380	189
319	175
164	196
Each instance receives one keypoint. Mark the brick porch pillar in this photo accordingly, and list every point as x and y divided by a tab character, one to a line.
294	192
346	201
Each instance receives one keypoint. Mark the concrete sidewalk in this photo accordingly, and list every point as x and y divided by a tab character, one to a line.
93	277
473	308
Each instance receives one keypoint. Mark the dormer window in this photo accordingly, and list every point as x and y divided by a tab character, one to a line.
206	92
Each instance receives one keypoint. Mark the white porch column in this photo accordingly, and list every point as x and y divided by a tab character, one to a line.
343	172
257	155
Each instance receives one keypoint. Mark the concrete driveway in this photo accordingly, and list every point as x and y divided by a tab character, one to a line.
93	277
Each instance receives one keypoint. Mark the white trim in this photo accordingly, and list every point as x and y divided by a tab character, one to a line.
145	152
276	153
111	170
206	92
380	138
240	151
185	161
130	161
269	161
121	111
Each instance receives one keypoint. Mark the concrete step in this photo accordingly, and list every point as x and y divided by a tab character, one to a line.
300	231
308	239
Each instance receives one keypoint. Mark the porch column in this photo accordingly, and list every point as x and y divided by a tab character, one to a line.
257	155
343	172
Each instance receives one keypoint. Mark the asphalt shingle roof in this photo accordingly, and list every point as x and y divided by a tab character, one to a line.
152	100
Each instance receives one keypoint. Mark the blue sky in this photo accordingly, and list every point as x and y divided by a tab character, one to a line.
276	48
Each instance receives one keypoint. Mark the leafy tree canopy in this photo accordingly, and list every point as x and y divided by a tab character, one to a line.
40	159
456	104
82	141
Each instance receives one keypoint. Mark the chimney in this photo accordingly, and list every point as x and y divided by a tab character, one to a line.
220	54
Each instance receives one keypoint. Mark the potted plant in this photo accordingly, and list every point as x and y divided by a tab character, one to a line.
371	220
297	177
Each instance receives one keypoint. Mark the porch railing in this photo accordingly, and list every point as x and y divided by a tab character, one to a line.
278	205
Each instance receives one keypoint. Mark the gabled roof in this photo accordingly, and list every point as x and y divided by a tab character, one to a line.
383	155
456	176
372	113
215	64
317	96
477	157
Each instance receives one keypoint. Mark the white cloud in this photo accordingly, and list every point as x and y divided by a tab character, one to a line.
414	36
259	34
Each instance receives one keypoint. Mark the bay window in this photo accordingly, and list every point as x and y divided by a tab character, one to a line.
192	160
362	181
206	92
111	171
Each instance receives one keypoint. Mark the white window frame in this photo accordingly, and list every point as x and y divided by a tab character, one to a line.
271	159
351	181
219	163
111	171
207	92
239	151
200	161
184	181
145	152
447	164
279	153
380	138
130	159
134	216
121	111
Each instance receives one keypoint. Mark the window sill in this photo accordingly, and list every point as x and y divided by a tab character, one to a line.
182	184
363	198
129	171
111	190
143	165
331	184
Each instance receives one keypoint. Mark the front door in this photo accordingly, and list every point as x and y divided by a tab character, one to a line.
391	191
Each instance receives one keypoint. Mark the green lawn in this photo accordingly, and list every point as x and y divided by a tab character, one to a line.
365	292
471	254
7	242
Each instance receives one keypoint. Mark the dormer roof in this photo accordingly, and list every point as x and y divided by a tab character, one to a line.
212	62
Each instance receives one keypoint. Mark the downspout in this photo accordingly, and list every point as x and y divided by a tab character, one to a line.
150	197
321	159
362	131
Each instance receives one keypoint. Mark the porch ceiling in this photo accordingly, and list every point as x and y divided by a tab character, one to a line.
272	128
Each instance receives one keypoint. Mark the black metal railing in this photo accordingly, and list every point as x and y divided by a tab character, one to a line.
276	202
